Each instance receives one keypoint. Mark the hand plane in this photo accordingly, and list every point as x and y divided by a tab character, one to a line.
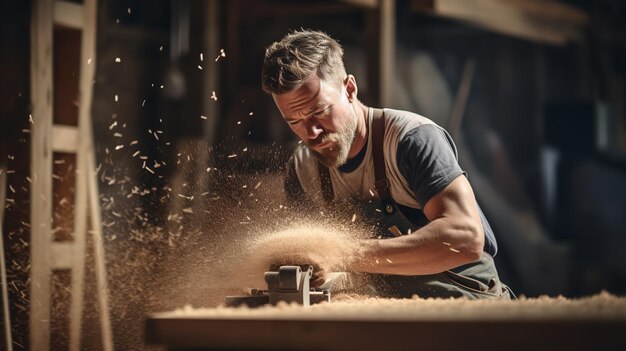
289	284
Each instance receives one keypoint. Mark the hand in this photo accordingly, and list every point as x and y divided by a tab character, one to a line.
327	250
318	278
304	260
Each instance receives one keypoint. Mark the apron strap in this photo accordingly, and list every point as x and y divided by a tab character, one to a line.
380	173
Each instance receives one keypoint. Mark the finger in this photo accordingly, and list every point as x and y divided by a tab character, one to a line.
317	282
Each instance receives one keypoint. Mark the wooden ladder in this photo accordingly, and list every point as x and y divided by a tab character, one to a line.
48	254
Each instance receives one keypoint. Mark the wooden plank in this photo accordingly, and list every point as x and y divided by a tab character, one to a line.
69	14
257	333
41	173
61	255
64	138
542	21
89	175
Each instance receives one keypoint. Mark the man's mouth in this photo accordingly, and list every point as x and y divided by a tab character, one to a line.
321	145
320	142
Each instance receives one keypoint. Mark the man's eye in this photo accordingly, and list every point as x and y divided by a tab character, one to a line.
294	122
321	112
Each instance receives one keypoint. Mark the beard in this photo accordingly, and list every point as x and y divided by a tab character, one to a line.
336	154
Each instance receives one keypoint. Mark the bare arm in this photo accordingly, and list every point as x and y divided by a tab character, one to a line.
453	237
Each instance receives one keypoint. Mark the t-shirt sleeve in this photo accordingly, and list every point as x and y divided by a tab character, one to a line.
427	158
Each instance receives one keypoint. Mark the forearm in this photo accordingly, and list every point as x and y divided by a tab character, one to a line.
441	245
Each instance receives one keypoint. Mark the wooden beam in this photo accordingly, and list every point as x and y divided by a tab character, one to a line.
551	9
387	33
68	14
41	173
370	4
543	21
372	56
64	138
380	29
62	255
260	9
82	144
87	185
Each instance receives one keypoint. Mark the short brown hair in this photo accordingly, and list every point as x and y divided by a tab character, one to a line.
290	61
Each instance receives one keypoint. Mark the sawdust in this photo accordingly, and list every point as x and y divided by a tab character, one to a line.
171	242
355	307
324	246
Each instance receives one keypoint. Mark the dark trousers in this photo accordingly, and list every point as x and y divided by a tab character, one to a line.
476	280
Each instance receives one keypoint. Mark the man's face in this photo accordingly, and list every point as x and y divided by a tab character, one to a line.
321	115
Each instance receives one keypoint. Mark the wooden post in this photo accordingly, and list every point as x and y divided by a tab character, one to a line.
41	173
387	35
380	25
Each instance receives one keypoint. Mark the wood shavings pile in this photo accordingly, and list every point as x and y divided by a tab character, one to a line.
602	305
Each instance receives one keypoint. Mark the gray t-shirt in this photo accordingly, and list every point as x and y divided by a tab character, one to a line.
420	161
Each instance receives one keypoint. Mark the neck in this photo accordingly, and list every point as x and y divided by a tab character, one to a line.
360	135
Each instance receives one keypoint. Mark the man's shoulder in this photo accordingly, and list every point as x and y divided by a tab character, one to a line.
400	122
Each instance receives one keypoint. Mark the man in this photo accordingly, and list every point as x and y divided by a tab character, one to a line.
442	245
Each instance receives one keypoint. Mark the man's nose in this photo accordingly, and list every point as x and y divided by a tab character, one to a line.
313	129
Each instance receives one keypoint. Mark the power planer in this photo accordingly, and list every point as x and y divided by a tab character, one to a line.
288	284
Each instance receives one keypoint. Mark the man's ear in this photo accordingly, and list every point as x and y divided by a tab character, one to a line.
351	87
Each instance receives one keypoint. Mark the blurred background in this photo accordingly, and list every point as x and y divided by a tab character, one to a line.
187	151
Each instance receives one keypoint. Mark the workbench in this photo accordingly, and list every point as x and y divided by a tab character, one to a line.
597	323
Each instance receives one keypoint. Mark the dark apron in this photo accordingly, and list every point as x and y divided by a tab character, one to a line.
475	280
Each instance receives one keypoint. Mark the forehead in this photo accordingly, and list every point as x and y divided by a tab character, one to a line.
313	93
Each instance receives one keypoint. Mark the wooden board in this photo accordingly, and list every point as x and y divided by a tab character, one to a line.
314	334
544	21
366	323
